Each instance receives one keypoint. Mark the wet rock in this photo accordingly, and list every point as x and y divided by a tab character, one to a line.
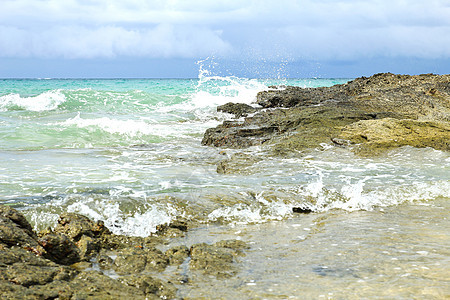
16	231
9	256
151	286
60	248
175	228
29	274
95	285
135	260
301	210
87	246
238	163
130	261
76	225
237	109
291	96
10	214
236	245
302	118
217	259
177	255
105	260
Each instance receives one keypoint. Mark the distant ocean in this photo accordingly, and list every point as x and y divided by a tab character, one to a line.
128	151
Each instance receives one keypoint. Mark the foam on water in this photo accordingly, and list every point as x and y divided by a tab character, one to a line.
134	224
217	90
46	101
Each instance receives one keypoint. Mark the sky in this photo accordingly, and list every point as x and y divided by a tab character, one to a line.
246	38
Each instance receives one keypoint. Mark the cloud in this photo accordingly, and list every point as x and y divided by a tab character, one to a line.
291	29
111	41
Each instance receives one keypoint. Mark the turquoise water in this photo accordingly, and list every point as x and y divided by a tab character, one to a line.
128	151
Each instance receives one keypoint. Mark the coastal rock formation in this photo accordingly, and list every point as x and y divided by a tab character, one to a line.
369	114
59	263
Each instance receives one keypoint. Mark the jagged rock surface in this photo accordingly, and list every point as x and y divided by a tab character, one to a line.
57	264
414	108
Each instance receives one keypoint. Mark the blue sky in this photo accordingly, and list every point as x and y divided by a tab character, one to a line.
165	38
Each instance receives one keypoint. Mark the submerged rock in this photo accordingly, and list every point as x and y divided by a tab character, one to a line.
177	255
390	110
217	259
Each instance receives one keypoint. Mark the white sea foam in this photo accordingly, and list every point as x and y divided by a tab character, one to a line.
137	224
354	196
128	127
213	91
46	101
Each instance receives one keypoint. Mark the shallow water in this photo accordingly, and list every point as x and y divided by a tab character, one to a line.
397	252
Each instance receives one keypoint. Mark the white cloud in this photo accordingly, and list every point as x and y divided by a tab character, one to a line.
294	29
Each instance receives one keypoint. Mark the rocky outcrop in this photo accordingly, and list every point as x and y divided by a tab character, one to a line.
77	258
237	109
368	114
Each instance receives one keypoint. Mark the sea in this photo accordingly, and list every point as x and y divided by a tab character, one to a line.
128	152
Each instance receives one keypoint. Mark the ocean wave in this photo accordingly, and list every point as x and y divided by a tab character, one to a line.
130	127
49	100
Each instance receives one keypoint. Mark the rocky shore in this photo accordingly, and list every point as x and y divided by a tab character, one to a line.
82	259
367	115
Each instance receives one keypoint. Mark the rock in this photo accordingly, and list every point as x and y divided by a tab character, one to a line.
8	213
105	260
217	259
60	248
291	96
88	246
177	255
76	225
303	118
236	245
175	228
301	210
374	136
95	285
28	275
135	260
238	163
151	286
16	231
32	268
237	109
